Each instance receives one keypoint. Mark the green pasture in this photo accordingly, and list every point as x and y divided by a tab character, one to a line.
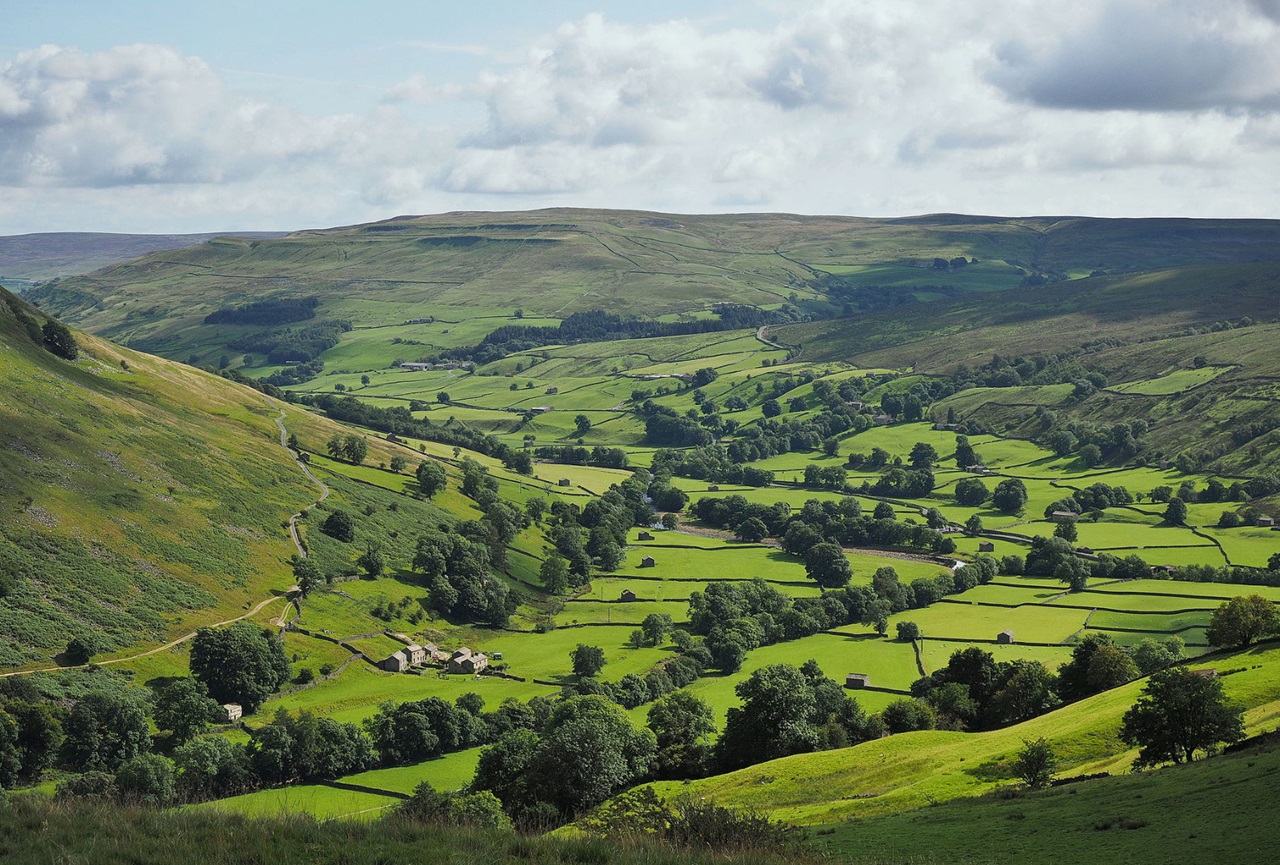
1246	545
318	800
449	772
1154	623
912	770
1181	588
890	663
356	693
936	653
958	622
614	613
1174	382
1210	811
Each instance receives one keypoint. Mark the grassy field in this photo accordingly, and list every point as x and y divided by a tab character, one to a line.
909	771
1213	810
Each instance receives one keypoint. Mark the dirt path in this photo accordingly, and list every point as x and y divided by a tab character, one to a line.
157	649
306	470
297	542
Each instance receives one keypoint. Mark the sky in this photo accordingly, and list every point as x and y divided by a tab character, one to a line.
150	116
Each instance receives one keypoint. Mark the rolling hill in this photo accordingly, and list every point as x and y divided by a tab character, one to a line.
554	262
140	498
26	259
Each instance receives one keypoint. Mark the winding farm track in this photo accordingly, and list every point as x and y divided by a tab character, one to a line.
306	470
297	542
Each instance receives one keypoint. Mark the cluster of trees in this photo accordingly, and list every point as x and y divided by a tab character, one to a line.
841	523
283	310
455	563
976	692
291	375
609	458
59	339
350	447
286	345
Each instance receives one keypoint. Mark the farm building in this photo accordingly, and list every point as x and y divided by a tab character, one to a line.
467	662
1005	638
1266	522
1064	516
647	562
233	711
857	681
644	536
627	595
986	547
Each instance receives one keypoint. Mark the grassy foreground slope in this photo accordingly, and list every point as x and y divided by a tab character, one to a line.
912	770
1218	810
138	498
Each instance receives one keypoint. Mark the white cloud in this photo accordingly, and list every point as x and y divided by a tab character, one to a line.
1110	107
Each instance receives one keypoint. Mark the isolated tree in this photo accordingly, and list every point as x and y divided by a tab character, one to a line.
184	707
1067	531
923	456
1175	514
431	478
59	340
371	560
1035	763
655	628
340	526
240	663
587	660
971	492
81	648
307	575
1010	495
827	565
1241	620
355	449
1178	714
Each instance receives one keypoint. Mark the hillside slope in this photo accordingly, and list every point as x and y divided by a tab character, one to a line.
137	496
554	262
30	258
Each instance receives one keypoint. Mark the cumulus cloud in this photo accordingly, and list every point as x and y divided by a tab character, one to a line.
1152	55
135	114
874	107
